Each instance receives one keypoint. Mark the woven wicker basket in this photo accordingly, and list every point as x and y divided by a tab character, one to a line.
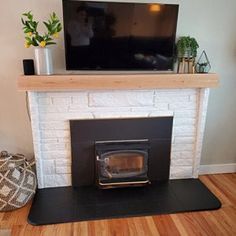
17	181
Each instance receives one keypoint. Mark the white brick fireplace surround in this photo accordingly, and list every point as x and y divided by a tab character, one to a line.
51	112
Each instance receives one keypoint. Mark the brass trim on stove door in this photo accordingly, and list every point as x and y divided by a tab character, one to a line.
124	183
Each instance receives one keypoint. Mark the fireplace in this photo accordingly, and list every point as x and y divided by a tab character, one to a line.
51	113
121	163
113	153
68	127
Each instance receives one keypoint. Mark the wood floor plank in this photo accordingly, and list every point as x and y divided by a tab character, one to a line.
218	222
179	225
132	230
165	225
222	188
194	224
209	216
223	222
101	228
118	227
64	229
151	225
80	228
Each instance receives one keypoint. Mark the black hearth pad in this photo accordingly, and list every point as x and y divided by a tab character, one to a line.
68	204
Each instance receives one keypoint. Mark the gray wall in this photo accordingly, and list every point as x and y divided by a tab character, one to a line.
212	22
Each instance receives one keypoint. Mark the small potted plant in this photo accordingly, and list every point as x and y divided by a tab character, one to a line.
187	47
43	59
186	52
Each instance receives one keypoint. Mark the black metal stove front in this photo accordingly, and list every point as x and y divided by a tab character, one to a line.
121	163
120	152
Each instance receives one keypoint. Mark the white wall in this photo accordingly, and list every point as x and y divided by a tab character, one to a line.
210	21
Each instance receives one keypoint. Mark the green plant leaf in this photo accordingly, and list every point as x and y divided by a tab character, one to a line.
59	28
39	38
22	20
34	42
50	43
27	31
46	24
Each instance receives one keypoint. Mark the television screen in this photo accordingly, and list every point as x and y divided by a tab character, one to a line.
119	36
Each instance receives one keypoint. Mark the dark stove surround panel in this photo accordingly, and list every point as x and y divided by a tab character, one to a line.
85	134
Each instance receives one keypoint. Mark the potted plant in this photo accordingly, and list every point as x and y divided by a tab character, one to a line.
43	59
187	47
186	53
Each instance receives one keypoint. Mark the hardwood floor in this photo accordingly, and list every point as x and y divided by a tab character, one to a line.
219	222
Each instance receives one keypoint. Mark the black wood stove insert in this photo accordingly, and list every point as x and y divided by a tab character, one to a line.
120	152
121	163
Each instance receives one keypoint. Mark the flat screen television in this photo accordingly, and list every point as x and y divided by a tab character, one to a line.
119	35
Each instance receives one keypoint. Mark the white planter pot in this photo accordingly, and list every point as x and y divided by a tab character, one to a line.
43	61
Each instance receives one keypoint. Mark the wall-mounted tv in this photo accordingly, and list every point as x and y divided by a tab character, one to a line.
119	35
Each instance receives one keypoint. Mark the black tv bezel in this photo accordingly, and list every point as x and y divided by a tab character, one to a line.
118	70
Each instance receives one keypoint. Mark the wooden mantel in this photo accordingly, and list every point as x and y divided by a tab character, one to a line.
115	81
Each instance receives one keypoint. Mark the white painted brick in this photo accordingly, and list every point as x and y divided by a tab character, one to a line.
110	109
183	105
55	140
55	134
182	147
171	98
81	107
184	140
63	162
181	172
61	101
44	101
53	109
33	98
100	115
64	140
122	99
61	94
193	98
184	130
63	154
55	125
161	113
184	121
182	155
80	100
54	146
177	92
181	162
162	106
42	94
63	170
35	127
53	117
185	114
48	167
38	170
33	110
57	180
140	109
80	115
64	116
49	140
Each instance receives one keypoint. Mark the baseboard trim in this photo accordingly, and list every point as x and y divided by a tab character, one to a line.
217	169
